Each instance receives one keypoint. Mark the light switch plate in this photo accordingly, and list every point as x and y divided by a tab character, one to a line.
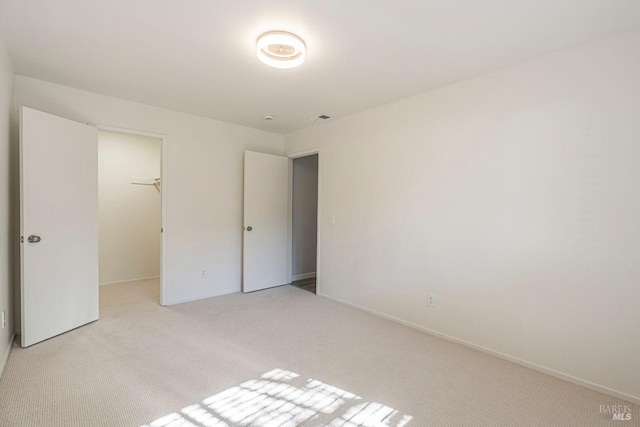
431	300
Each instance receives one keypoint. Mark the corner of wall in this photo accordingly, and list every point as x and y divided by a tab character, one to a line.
8	218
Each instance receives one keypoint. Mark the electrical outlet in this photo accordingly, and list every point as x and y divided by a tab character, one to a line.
4	320
431	300
203	274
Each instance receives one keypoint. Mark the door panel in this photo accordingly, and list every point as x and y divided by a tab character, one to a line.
59	204
265	248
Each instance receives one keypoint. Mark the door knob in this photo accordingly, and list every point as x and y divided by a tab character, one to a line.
249	228
33	239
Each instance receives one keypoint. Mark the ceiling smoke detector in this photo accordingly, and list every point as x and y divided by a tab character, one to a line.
280	49
269	118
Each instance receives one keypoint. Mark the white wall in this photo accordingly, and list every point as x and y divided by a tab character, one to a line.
204	169
304	216
7	213
514	197
129	214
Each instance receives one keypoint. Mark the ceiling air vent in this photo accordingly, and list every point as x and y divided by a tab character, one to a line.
321	118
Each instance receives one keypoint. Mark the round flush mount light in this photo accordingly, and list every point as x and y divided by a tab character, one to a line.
280	49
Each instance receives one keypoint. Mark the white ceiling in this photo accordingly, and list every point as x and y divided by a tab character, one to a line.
198	56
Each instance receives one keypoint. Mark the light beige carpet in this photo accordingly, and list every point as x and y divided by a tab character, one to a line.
281	357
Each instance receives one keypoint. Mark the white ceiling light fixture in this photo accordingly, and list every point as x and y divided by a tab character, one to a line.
280	49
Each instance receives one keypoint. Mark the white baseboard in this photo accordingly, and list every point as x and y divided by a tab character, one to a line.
522	362
129	280
5	356
205	296
303	276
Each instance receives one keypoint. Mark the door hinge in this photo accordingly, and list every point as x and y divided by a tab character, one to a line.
21	239
162	229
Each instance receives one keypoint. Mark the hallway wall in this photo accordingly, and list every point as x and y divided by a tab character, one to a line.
305	216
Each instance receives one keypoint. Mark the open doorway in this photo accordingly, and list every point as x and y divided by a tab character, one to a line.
130	217
304	222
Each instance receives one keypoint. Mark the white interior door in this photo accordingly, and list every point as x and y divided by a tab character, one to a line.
266	197
58	225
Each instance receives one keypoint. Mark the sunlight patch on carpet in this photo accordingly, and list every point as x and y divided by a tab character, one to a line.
280	398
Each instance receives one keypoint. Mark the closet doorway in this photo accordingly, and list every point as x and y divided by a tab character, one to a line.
130	217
